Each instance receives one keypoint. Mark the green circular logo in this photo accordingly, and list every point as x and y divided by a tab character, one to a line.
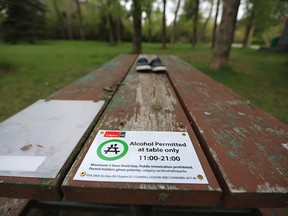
113	149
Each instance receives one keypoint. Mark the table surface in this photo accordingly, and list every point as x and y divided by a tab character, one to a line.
241	148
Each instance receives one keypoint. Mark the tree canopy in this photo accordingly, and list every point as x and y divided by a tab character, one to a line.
112	21
23	20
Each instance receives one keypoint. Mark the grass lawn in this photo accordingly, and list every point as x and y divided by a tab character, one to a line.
31	72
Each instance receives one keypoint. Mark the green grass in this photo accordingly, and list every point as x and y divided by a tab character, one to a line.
31	72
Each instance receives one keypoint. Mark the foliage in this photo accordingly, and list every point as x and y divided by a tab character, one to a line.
185	24
96	27
264	12
189	9
94	14
24	20
268	17
270	14
156	20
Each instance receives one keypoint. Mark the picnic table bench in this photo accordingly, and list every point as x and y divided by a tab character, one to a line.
242	150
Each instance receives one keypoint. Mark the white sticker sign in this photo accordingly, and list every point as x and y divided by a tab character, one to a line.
142	156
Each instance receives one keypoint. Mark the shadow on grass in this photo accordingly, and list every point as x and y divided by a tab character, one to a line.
6	66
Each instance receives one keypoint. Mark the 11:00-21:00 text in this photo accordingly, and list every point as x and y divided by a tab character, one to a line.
159	158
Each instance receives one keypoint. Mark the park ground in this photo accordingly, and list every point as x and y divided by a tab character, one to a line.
30	72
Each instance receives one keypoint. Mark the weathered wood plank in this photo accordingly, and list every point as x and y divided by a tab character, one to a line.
97	85
273	211
144	102
245	145
12	207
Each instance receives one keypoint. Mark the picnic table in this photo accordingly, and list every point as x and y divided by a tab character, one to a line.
242	150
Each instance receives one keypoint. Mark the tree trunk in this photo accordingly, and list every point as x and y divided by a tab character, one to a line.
118	30
249	31
283	41
110	23
80	18
164	25
195	24
60	20
110	28
149	29
172	39
137	26
202	33
225	36
69	20
215	24
248	36
266	40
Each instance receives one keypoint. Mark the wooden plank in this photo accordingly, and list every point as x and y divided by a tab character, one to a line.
273	211
145	102
97	85
12	207
245	146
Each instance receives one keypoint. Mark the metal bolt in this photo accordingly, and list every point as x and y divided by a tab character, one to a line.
83	173
200	177
181	125
183	134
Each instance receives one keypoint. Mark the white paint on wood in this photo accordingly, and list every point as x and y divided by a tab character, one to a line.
49	129
21	163
266	188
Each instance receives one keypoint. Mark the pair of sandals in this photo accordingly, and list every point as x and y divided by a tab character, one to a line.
155	65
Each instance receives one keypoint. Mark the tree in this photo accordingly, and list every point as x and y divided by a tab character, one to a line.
225	36
203	29
191	10
80	19
249	28
155	29
172	39
164	25
119	12
283	41
68	17
110	23
195	24
60	19
260	16
115	13
106	18
25	20
215	24
137	26
147	7
282	11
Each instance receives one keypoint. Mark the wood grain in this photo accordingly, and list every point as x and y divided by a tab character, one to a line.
144	102
93	86
245	146
12	207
